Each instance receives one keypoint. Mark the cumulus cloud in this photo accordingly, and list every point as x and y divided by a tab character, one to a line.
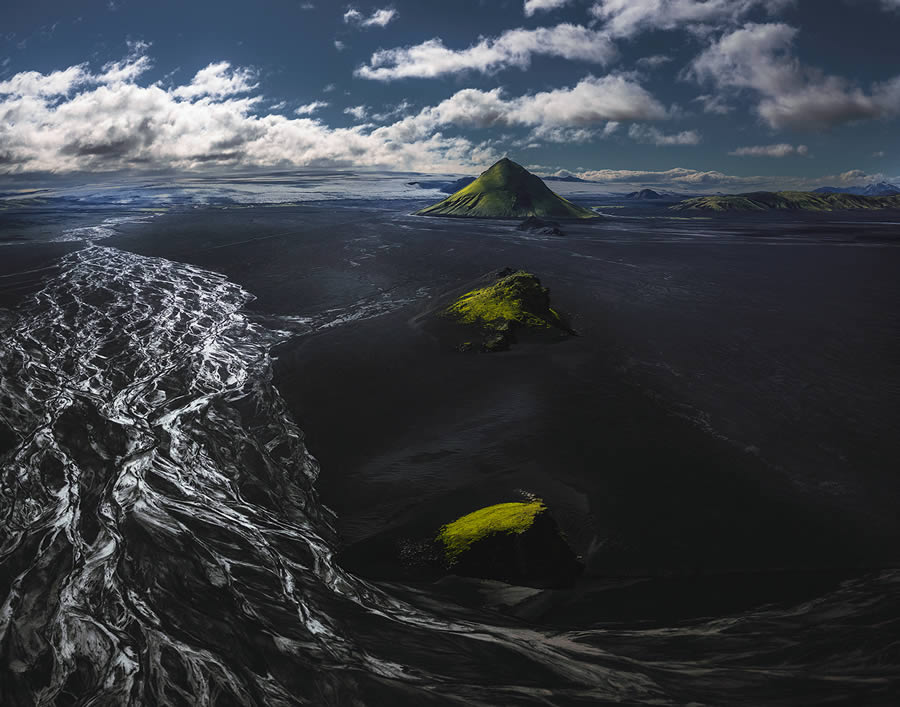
379	18
698	181
626	18
310	108
513	48
853	177
215	81
593	101
677	176
79	120
649	134
780	150
358	112
59	83
759	58
532	6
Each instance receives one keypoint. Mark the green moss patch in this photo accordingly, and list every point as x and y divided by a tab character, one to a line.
509	518
517	298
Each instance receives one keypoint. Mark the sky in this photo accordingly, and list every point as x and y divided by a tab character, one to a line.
696	95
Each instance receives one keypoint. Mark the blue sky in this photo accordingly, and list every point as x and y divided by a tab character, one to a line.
702	95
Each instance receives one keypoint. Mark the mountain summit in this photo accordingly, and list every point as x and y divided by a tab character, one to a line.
507	190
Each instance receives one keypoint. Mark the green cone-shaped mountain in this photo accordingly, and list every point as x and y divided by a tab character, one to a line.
507	190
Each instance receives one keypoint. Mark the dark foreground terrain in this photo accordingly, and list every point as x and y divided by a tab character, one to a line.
718	444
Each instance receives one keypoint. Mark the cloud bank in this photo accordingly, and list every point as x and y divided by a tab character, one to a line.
780	150
758	58
77	120
513	48
626	18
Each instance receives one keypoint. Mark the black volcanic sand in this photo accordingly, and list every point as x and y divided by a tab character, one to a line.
715	413
25	265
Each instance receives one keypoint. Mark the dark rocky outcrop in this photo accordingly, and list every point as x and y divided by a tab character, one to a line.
516	543
533	224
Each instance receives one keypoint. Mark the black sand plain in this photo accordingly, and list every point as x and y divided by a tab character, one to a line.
722	424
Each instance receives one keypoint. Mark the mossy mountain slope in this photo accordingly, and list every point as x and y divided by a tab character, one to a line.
507	190
788	200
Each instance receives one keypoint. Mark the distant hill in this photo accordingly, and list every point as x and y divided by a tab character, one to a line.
644	194
790	200
507	190
874	189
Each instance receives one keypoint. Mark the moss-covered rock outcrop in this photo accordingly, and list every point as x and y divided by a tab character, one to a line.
516	301
518	543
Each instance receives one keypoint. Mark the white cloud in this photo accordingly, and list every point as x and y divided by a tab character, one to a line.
379	18
758	58
593	101
392	112
780	150
217	80
57	83
77	120
532	6
649	134
626	18
714	104
853	177
563	135
651	62
358	112
675	177
514	47
880	153
310	108
692	180
339	45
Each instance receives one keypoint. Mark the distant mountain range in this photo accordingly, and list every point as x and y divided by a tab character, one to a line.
507	190
788	200
873	189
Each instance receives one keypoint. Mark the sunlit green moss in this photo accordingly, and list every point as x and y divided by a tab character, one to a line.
461	534
515	299
507	190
